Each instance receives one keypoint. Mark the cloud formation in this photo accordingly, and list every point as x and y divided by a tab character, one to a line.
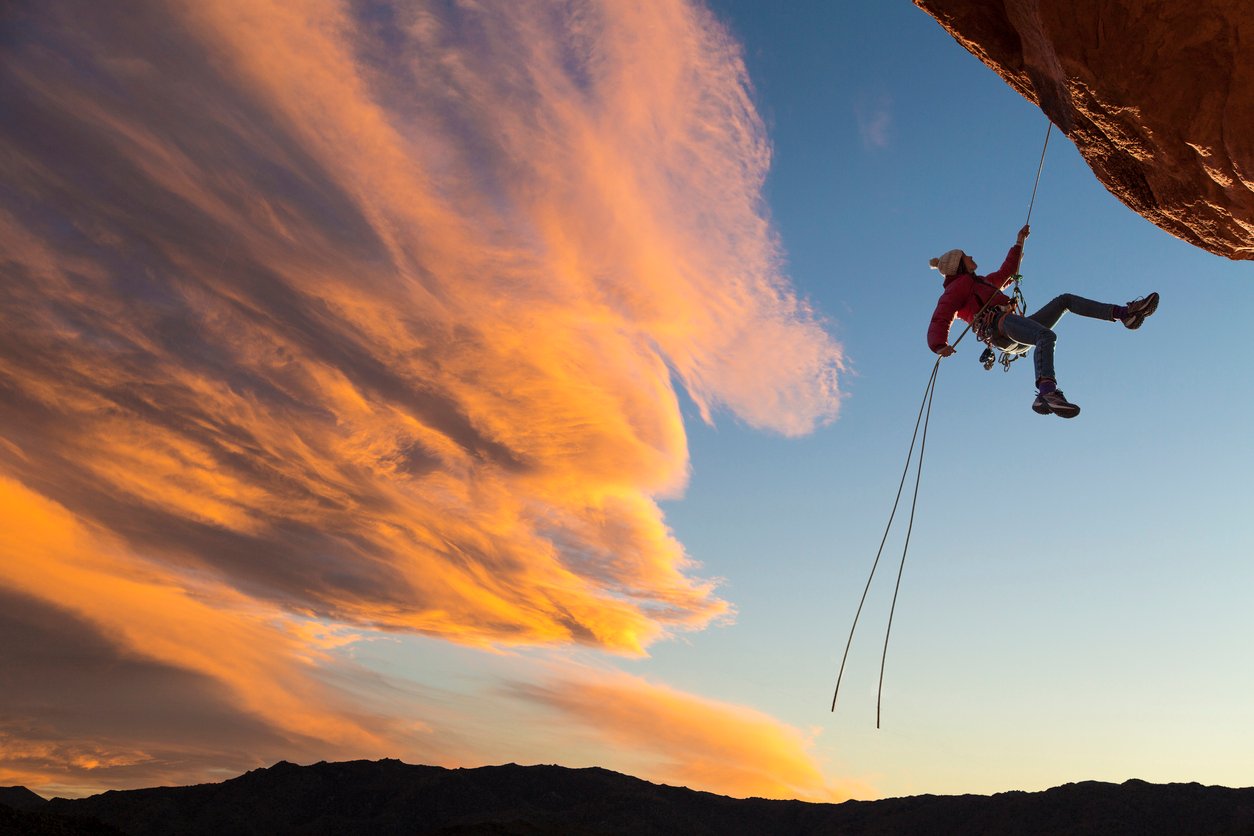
373	315
688	740
113	669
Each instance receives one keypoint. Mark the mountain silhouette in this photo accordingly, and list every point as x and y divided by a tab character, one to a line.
20	798
389	797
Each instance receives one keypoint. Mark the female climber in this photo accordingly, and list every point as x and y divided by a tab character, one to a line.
979	298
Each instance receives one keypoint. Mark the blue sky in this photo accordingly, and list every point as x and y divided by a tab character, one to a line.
357	367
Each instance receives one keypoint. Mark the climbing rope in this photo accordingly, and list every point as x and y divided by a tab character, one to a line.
926	404
923	419
1039	167
901	568
1016	296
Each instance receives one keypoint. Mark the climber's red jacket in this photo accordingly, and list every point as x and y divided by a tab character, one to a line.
965	294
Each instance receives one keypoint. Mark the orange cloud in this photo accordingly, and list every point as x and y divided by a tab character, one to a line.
362	292
264	657
669	736
375	318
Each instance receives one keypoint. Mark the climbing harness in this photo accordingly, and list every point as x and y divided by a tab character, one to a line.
987	316
987	327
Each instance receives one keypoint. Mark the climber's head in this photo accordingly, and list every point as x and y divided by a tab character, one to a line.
951	263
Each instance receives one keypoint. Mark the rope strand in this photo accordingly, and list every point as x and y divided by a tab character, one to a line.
914	502
1039	168
1008	358
900	485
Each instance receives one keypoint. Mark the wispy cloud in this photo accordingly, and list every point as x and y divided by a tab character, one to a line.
875	122
680	738
374	316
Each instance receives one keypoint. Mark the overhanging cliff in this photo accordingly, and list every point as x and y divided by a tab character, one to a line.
1158	96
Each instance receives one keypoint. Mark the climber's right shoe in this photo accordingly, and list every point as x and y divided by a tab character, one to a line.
1139	310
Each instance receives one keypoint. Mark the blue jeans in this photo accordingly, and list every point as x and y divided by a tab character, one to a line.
1037	330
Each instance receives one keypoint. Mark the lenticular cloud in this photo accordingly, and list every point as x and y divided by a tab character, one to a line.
375	313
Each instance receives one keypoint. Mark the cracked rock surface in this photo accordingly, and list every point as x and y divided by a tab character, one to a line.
1157	95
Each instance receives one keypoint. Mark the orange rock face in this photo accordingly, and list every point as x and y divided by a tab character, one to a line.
1158	95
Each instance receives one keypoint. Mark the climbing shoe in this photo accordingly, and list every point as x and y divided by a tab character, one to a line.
1139	310
1054	402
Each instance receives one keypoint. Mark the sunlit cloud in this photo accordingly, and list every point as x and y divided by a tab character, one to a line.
113	669
678	738
323	319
